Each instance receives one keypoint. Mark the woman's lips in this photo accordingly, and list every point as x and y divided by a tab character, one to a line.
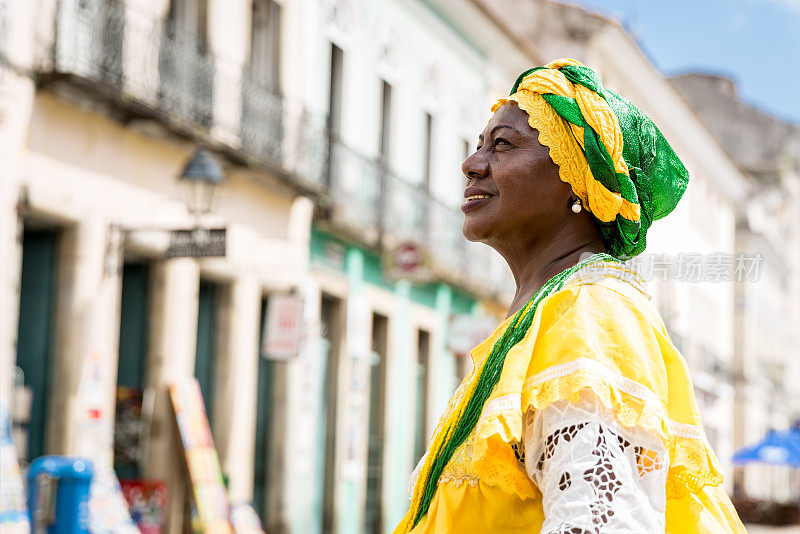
475	201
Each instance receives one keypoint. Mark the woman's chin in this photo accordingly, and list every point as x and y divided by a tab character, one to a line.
474	232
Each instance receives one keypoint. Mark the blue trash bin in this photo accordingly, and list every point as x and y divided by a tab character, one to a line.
58	494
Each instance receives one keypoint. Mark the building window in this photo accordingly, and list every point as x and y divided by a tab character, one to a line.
428	154
262	106
265	40
335	90
186	69
384	149
190	16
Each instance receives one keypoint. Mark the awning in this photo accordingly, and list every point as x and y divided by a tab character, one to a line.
778	447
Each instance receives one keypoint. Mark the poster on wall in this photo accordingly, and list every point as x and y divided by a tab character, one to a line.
94	437
13	511
282	327
202	461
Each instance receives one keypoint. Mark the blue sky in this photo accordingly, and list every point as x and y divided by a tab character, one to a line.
755	42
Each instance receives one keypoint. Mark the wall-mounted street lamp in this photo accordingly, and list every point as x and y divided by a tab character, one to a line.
201	176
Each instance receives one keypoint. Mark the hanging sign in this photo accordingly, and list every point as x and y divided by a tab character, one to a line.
197	243
282	327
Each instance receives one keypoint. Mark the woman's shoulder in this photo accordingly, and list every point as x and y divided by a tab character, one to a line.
603	324
604	295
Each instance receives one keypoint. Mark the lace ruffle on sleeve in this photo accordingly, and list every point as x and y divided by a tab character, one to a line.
596	476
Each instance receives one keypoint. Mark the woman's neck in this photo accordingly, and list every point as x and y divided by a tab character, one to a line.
533	269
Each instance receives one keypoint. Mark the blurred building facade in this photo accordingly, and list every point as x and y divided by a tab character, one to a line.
767	311
341	125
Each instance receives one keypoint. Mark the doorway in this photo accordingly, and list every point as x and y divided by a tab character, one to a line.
205	360
131	369
35	338
332	317
373	517
264	419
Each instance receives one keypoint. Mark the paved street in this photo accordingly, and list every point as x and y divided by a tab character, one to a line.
763	529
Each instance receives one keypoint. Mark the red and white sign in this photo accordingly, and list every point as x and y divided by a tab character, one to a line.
282	327
408	261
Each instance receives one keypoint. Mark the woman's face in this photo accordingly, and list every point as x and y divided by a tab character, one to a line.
513	188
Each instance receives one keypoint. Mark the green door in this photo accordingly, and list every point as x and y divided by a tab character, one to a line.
133	326
204	356
35	329
131	369
263	416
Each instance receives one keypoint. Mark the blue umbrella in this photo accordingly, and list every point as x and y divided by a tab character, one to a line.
778	447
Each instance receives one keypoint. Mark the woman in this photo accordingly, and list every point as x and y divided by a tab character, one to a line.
579	416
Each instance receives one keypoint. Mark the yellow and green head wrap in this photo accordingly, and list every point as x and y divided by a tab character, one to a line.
612	155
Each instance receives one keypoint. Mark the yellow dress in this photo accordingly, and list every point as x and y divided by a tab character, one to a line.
598	336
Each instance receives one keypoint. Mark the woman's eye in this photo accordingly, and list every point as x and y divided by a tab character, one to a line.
501	141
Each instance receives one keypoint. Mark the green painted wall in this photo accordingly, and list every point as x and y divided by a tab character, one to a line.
331	251
362	266
351	513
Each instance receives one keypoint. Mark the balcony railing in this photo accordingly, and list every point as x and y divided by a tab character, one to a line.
158	69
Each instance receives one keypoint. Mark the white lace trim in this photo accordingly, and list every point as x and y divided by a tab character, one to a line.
594	273
510	402
619	382
595	475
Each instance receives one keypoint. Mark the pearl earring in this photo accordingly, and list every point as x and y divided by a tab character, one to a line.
576	206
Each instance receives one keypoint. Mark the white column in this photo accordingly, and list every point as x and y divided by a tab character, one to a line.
237	379
16	102
173	340
86	334
400	405
305	382
11	262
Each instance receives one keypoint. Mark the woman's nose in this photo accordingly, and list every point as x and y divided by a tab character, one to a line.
475	166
